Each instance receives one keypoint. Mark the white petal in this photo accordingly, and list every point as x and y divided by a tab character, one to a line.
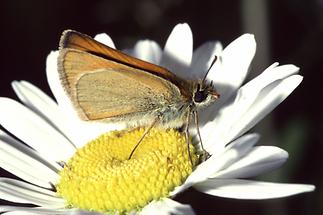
167	207
34	131
56	87
17	210
147	50
105	39
232	67
248	93
34	98
219	161
202	59
230	115
24	187
247	189
271	74
81	131
82	212
259	160
266	101
45	211
229	71
23	173
178	50
21	192
43	105
25	163
53	78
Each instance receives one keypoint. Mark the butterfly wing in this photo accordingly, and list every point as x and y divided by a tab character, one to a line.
75	40
106	89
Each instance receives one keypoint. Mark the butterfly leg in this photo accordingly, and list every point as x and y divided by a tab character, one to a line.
142	137
186	127
205	155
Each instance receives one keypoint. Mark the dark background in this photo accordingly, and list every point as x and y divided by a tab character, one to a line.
288	31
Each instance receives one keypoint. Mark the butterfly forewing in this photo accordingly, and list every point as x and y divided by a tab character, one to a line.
76	40
104	89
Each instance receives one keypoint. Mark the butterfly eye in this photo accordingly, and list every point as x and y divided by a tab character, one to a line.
200	96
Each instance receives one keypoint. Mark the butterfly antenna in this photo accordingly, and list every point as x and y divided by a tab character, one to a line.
207	72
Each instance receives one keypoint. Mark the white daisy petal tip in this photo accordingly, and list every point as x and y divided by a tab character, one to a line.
230	71
269	98
147	50
105	39
251	190
202	59
14	83
218	48
56	86
287	69
15	86
183	27
291	83
52	58
178	51
243	49
248	36
259	160
292	67
245	42
248	39
51	70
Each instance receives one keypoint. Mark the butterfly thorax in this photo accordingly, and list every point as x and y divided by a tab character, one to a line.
201	95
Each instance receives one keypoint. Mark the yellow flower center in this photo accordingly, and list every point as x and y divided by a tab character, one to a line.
101	177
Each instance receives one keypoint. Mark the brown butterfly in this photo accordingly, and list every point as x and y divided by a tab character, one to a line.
108	85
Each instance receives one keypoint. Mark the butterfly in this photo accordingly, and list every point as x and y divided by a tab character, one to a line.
105	84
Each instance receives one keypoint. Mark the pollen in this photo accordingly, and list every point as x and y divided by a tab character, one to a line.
101	177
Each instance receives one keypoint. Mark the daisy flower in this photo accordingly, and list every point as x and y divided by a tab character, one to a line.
62	162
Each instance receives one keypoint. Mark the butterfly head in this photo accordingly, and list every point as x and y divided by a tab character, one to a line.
204	94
